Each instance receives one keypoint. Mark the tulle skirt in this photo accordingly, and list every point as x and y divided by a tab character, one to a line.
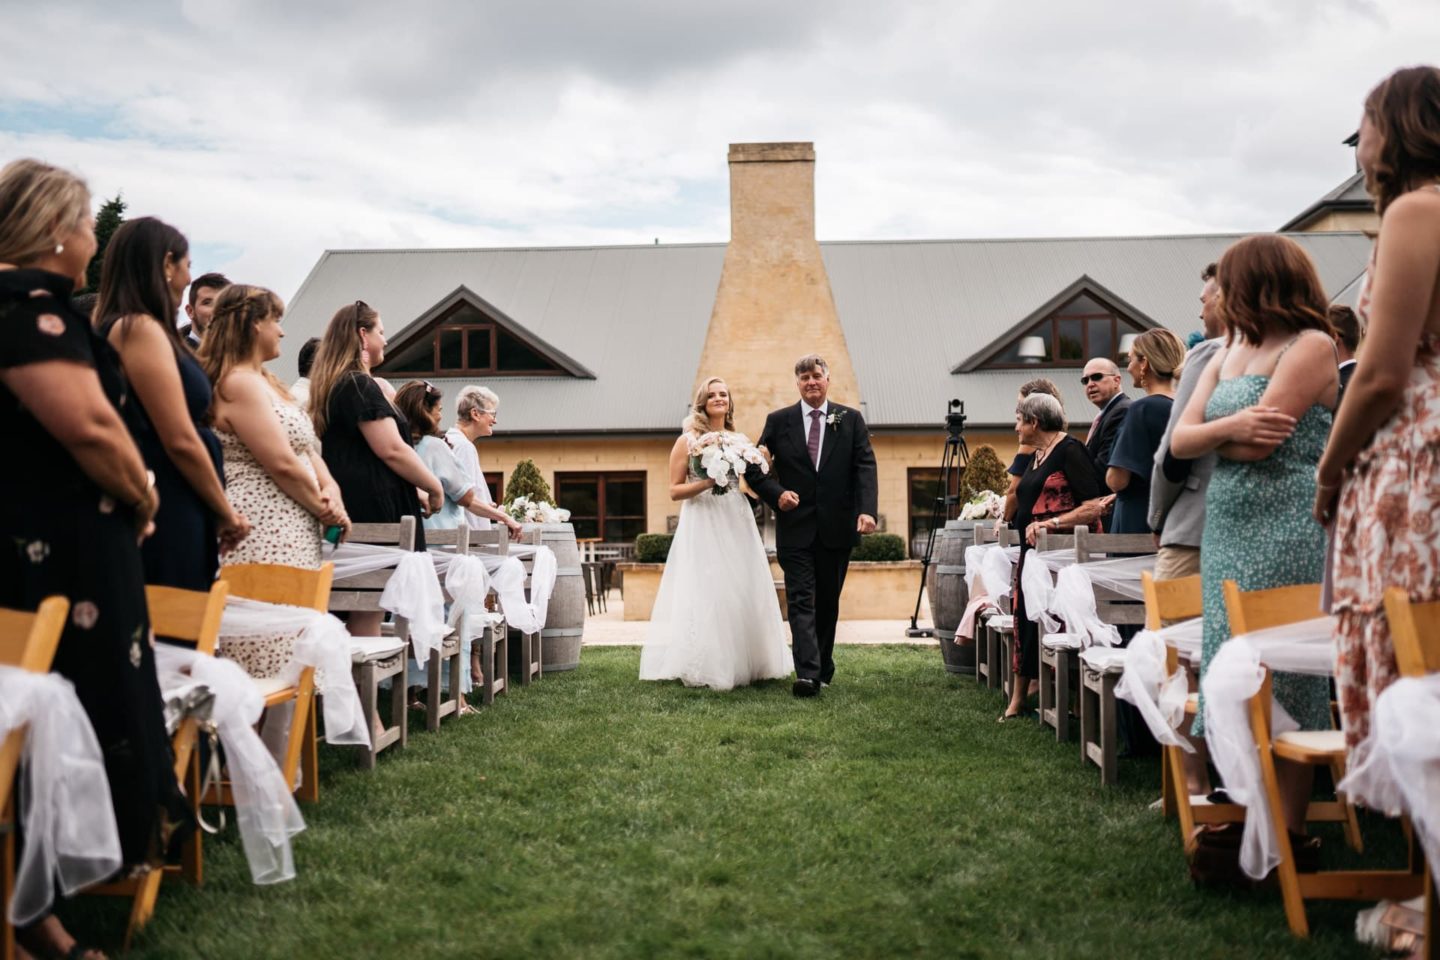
716	622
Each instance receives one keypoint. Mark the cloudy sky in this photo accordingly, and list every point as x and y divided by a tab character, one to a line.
270	130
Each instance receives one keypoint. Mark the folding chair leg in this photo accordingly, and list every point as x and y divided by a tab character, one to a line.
309	759
142	906
1109	749
400	705
1352	824
1047	691
7	881
193	856
432	692
369	695
1062	695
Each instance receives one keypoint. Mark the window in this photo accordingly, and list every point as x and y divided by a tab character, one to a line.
923	484
465	342
496	482
1083	327
605	506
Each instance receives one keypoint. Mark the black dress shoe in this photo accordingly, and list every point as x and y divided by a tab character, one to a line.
806	688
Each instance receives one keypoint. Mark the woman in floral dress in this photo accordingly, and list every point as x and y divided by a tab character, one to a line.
1383	460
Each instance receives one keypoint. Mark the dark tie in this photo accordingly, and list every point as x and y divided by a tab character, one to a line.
1094	427
813	443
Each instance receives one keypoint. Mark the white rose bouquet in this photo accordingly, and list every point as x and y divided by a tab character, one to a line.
986	505
724	458
524	510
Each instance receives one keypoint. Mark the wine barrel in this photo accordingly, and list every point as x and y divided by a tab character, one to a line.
565	621
945	586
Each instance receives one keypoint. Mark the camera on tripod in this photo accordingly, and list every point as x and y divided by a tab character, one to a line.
955	418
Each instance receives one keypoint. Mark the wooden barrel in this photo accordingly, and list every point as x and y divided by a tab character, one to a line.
565	621
945	587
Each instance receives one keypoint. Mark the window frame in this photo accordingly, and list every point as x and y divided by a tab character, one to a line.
602	478
1120	324
487	326
911	517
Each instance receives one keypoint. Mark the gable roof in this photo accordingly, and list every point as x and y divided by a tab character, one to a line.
425	323
912	311
1082	284
1349	195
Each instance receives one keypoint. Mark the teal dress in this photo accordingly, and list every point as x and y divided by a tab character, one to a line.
1259	532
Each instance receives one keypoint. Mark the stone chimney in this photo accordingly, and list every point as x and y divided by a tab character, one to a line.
774	303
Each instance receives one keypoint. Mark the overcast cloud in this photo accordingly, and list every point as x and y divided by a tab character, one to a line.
270	130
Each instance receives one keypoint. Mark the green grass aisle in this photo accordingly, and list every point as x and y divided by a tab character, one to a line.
594	816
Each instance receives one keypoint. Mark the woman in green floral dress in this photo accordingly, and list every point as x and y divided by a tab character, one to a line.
1265	405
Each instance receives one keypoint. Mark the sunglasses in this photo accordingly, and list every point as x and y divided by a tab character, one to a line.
1097	377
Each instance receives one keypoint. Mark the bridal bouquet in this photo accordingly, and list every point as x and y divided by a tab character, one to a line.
987	505
524	510
724	458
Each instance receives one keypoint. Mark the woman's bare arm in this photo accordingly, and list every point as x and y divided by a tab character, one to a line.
680	487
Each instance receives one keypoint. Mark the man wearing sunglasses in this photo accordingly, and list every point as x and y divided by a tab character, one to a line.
1102	388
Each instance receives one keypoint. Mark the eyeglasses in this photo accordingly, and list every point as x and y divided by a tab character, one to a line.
1096	377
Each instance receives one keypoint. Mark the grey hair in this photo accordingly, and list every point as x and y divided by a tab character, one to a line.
475	398
1044	411
1109	367
809	362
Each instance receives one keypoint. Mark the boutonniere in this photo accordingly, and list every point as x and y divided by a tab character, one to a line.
835	419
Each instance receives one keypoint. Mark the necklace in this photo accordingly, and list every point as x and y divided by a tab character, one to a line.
1039	457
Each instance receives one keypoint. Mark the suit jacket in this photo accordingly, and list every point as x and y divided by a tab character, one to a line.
1177	487
832	497
1347	370
1103	442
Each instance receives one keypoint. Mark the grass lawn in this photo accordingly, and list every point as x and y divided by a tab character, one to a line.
592	815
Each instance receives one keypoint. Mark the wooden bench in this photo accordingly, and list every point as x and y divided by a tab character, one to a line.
440	702
1059	671
494	652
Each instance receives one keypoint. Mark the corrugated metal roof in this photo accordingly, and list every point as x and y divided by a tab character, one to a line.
911	310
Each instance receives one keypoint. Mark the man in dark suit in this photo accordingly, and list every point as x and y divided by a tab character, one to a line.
1347	341
1102	388
203	291
822	486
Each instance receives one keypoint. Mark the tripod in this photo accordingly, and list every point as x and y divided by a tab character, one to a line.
952	463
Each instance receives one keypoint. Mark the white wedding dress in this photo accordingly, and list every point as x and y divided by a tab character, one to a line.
716	622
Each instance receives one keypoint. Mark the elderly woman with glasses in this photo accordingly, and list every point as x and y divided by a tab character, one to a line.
1051	495
419	402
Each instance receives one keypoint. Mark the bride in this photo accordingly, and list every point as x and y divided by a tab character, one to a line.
716	621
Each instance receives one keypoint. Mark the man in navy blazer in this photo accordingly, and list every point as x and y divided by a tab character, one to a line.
1103	388
822	486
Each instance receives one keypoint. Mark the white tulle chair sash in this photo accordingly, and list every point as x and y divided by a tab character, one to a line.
323	643
1160	699
264	807
1236	674
70	835
1396	769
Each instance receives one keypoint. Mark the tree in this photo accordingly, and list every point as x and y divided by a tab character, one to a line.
527	482
984	472
107	221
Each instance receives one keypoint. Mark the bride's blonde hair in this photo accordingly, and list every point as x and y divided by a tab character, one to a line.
698	421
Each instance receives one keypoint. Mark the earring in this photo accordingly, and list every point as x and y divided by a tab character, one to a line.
59	249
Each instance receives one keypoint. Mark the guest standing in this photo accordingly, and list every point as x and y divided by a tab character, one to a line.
70	518
477	410
1264	405
275	474
364	439
1103	387
1347	341
1155	359
147	267
1384	456
1051	495
300	389
201	307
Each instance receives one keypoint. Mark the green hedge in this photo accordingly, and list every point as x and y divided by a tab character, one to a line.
653	547
879	546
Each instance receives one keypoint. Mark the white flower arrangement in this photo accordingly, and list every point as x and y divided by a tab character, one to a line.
523	510
986	505
724	458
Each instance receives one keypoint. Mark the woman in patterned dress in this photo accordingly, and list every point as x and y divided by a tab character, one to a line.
1383	460
1264	404
275	474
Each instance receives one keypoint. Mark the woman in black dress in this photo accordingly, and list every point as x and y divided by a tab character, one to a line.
147	267
363	438
1052	494
71	515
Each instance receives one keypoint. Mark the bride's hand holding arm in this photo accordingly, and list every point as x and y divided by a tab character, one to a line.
681	487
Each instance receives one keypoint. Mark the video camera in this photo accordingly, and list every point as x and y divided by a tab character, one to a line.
955	418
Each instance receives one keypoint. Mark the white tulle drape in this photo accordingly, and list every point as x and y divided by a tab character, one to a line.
1398	770
265	810
1236	673
323	643
1065	604
1160	699
70	836
412	592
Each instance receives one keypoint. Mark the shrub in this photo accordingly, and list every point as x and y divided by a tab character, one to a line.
984	472
527	482
879	546
653	547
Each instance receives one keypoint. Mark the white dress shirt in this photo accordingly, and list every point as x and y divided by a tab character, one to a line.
824	409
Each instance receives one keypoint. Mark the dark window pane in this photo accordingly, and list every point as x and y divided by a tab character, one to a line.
625	497
496	483
1012	353
585	529
924	489
622	531
477	349
580	496
1070	343
450	349
1099	342
416	358
516	357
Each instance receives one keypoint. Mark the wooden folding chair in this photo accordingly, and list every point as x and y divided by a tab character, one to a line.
294	587
1415	632
495	640
1000	641
1259	610
27	641
192	616
439	702
1058	672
